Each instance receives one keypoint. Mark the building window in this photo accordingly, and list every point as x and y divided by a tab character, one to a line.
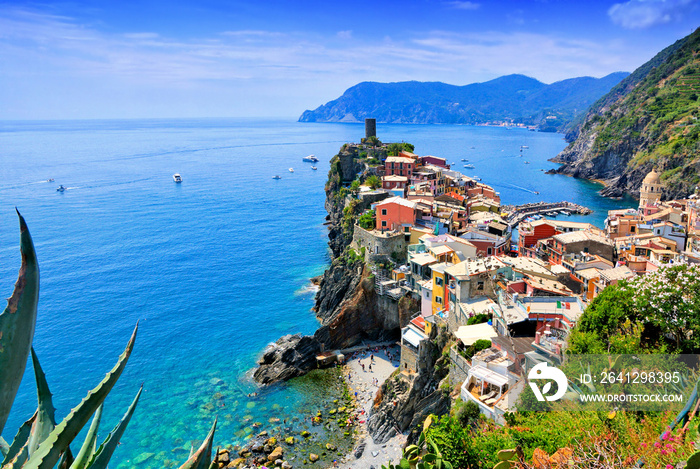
383	223
489	251
632	229
383	211
438	281
479	285
438	300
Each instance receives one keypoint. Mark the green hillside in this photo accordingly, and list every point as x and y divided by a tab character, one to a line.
649	120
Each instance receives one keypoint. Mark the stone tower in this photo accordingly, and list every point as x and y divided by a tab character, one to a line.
370	128
650	192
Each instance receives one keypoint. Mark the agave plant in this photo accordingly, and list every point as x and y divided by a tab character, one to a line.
41	443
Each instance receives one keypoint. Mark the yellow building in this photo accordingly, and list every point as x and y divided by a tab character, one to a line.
439	288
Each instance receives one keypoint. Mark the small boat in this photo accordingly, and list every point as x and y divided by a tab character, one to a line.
49	180
277	176
526	162
464	159
310	159
291	170
524	146
470	166
177	178
61	188
537	193
476	178
314	168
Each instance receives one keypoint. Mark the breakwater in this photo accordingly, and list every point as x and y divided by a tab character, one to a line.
517	213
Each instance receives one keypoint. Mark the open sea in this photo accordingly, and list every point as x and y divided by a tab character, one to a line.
214	268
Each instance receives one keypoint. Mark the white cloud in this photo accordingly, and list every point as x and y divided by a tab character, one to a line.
640	14
245	71
464	5
345	34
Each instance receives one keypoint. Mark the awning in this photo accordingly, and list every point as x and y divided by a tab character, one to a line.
470	334
489	376
423	259
413	337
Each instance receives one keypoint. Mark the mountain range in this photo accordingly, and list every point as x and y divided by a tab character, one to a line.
512	98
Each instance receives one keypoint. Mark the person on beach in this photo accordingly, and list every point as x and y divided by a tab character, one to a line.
363	366
370	368
371	357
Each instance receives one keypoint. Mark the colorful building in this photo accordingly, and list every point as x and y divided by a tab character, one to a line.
395	213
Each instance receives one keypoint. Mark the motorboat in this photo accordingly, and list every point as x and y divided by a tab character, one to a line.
469	165
177	178
49	180
526	162
464	159
314	168
61	188
291	170
277	176
310	159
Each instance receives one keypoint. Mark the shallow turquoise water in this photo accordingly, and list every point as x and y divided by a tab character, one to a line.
214	268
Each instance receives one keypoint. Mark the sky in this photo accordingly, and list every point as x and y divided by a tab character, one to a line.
92	59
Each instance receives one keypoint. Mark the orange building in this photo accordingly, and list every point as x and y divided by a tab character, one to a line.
394	213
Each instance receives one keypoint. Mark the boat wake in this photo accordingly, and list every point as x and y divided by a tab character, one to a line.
513	186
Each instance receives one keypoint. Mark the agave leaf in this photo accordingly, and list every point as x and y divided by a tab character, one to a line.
45	420
4	447
101	457
18	461
200	458
66	459
48	453
20	440
88	448
17	323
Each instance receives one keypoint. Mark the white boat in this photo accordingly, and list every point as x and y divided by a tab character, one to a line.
277	176
470	166
464	159
49	180
291	170
177	177
476	178
314	168
527	162
310	159
61	188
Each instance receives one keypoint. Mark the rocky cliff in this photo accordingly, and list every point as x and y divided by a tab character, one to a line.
346	304
647	121
405	401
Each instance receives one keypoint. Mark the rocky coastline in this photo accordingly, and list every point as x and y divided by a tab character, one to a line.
350	314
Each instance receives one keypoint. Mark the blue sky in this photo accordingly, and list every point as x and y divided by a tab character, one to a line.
215	58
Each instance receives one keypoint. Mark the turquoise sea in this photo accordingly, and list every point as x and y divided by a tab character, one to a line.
214	268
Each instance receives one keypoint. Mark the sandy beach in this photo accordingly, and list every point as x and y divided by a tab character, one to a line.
364	383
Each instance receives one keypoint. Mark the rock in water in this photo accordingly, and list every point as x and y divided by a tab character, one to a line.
289	357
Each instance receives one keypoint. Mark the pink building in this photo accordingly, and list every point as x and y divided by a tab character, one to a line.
399	166
394	182
394	213
434	160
